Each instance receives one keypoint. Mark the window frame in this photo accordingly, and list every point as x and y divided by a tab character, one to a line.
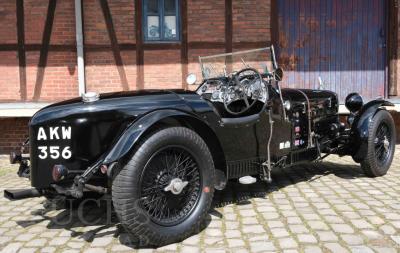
161	16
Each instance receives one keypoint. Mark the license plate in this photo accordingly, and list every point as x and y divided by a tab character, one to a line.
55	134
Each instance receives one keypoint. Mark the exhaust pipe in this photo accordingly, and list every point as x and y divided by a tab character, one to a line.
18	194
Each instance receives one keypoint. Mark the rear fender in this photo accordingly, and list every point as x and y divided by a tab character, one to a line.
139	128
133	133
360	128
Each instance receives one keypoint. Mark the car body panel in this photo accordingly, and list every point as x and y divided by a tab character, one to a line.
360	127
109	128
95	127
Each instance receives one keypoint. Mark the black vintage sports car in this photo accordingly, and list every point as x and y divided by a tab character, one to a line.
160	154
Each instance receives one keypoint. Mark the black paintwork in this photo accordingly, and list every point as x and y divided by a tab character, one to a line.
95	126
360	127
354	102
108	129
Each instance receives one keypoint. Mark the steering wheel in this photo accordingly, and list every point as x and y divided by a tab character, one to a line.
243	86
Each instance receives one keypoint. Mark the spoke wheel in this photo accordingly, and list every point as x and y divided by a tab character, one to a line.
177	168
382	143
164	192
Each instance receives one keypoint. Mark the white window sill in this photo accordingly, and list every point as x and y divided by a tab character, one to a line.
20	109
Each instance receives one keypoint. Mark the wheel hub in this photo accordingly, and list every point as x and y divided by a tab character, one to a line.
386	143
176	186
170	185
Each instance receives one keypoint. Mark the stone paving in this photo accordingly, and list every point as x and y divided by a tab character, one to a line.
326	207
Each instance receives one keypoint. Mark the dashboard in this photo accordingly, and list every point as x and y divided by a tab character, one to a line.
213	89
225	90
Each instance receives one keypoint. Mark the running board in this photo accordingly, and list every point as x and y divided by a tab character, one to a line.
247	180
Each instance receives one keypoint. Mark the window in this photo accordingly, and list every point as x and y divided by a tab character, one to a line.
161	20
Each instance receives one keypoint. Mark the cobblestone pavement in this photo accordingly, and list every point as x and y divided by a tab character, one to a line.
327	207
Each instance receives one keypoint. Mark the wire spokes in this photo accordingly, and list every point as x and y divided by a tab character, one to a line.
382	143
170	164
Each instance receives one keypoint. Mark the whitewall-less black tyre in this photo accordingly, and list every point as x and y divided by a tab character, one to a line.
165	191
381	145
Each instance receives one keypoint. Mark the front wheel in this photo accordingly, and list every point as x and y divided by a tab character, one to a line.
381	145
165	191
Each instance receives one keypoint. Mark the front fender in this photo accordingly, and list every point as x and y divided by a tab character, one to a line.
360	128
133	133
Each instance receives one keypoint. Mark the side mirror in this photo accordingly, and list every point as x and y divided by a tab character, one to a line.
191	79
278	74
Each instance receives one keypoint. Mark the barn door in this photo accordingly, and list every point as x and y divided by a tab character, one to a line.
341	41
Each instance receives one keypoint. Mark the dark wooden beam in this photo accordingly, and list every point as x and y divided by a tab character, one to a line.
21	49
161	46
44	50
114	43
251	44
132	47
139	45
392	47
102	48
38	47
56	48
274	21
206	45
8	47
67	48
228	26
184	41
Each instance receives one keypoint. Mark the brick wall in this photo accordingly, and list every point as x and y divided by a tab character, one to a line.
162	69
60	77
206	23
251	20
206	20
162	72
8	19
14	131
9	84
59	80
101	71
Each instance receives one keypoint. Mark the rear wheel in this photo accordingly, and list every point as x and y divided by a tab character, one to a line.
381	145
165	191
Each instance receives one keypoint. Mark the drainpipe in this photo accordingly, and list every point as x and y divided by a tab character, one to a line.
79	47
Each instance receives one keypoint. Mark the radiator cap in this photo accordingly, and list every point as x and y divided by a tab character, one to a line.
90	96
